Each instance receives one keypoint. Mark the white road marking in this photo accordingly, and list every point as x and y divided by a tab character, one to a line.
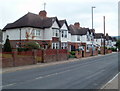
8	85
110	81
52	74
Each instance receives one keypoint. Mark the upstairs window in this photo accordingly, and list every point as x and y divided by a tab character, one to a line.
64	33
37	32
55	33
78	38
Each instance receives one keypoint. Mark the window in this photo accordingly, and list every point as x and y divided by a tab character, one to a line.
78	38
64	33
64	45
88	38
37	32
55	45
55	33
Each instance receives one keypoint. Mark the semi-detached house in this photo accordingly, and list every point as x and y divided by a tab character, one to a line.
81	38
32	27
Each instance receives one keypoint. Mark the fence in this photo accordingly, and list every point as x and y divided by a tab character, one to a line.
32	57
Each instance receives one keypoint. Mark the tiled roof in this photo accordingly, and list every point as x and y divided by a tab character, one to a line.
78	31
61	22
99	35
32	20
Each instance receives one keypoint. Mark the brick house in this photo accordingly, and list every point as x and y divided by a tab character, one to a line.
80	37
34	27
99	39
65	35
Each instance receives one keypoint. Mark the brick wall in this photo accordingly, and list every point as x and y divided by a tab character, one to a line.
32	57
55	55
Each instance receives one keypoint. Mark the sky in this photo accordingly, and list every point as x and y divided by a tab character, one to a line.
71	10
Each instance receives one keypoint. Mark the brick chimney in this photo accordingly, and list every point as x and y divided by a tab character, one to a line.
106	34
77	24
43	14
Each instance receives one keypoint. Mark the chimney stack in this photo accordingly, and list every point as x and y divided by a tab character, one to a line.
43	14
77	24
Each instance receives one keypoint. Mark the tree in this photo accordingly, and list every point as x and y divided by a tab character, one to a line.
118	44
7	46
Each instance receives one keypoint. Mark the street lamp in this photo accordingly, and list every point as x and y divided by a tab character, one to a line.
104	32
92	15
92	26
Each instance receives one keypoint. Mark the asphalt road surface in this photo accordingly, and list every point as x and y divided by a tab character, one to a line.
90	73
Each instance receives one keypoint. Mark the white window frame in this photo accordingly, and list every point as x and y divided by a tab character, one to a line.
37	33
55	32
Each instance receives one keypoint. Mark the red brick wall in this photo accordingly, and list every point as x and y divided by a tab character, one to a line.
28	58
7	62
55	55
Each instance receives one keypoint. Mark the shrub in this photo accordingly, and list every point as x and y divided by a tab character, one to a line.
7	46
72	52
22	49
32	45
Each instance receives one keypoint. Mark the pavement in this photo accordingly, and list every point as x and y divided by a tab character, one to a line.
87	73
113	83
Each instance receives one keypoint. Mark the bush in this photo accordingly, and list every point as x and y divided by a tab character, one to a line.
72	52
113	49
32	45
22	49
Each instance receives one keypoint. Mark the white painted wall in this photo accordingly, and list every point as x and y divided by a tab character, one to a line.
55	25
63	39
14	34
47	34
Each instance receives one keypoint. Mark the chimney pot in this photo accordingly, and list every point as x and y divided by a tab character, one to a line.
77	24
43	14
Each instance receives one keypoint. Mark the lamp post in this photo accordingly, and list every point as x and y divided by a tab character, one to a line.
92	27
104	32
92	15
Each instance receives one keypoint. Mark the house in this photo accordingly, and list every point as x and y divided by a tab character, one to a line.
99	39
80	37
114	40
34	27
64	34
108	41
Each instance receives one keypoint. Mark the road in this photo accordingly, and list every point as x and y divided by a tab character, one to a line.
90	73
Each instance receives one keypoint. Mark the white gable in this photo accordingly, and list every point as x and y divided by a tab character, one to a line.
55	25
64	27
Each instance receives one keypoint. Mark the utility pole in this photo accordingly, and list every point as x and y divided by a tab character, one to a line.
92	16
92	28
104	32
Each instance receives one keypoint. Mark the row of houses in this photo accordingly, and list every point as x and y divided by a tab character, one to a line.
52	33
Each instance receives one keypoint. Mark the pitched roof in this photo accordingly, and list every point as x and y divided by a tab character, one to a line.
78	31
92	31
32	20
99	35
61	22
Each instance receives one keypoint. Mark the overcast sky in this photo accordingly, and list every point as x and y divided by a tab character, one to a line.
71	10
